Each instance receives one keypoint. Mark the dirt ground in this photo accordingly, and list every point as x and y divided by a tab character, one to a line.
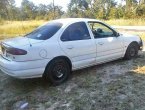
118	85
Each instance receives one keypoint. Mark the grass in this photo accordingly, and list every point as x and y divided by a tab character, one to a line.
142	35
126	22
16	28
118	85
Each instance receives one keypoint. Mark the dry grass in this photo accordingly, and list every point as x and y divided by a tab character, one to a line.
142	36
16	28
128	22
140	70
117	85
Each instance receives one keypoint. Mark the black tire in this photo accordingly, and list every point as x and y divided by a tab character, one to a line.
58	71
132	51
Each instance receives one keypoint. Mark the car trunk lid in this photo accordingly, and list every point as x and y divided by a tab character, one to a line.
20	41
15	44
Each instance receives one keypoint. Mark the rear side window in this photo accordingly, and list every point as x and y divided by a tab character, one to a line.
44	32
76	31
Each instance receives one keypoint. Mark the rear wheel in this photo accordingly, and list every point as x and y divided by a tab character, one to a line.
58	71
132	51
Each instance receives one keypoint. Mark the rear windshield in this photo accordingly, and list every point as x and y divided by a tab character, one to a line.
44	32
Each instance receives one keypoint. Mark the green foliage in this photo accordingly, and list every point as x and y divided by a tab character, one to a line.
106	9
100	9
28	11
140	10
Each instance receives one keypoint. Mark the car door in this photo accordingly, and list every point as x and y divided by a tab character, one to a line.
77	43
109	46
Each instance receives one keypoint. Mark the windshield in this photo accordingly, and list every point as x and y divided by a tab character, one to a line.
44	32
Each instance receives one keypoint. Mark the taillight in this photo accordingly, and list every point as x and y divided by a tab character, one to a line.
16	51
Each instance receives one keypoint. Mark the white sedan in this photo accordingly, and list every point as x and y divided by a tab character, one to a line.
64	45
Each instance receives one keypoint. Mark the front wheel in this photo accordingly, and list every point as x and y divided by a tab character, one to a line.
58	71
132	51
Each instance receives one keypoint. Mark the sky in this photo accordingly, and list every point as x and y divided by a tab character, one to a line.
62	3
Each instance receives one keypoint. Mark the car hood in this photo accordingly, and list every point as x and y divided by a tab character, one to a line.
20	41
128	35
130	38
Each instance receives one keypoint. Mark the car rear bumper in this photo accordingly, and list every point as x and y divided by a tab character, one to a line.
22	70
23	74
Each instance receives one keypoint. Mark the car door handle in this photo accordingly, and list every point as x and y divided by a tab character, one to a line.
100	43
70	47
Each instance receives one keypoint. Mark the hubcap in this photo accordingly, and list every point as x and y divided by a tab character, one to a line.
59	74
59	71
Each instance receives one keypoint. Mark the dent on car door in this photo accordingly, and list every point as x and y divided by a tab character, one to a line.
78	45
109	46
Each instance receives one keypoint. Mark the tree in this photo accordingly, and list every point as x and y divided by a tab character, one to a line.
140	10
141	1
103	8
130	3
29	9
5	8
130	7
41	11
77	8
53	12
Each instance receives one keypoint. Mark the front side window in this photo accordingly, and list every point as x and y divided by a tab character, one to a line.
100	30
44	32
76	31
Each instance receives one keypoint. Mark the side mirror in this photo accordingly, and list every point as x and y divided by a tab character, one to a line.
116	34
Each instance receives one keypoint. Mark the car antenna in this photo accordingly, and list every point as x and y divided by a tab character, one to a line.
29	41
25	33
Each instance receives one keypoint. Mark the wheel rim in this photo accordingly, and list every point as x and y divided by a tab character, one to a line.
132	52
59	71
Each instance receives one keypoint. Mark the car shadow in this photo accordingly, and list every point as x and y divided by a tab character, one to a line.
29	85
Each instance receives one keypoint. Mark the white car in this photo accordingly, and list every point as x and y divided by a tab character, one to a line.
64	45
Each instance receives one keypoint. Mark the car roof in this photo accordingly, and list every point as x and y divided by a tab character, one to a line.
72	20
